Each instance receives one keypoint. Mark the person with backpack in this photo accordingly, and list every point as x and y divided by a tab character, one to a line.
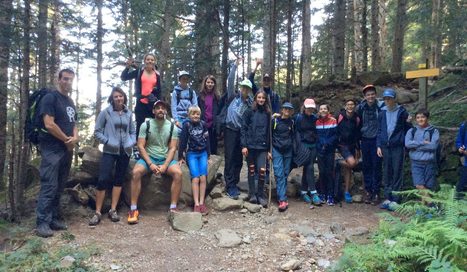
183	97
394	122
306	127
422	142
255	143
147	86
266	87
283	130
115	129
208	101
326	127
236	105
194	149
157	144
369	110
461	143
348	138
57	139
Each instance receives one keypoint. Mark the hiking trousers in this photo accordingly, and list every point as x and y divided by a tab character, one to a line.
233	160
371	166
393	162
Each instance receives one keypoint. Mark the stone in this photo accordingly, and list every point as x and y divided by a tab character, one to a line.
246	239
306	230
390	242
357	198
253	208
311	239
243	211
91	159
337	228
83	178
115	267
186	221
406	97
216	192
228	238
226	204
358	231
282	236
78	194
329	236
243	196
324	263
292	264
67	262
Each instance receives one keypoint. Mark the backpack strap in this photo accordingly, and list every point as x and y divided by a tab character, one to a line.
340	118
179	94
147	130
413	130
171	131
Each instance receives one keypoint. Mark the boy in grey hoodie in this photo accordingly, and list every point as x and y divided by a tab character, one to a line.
422	142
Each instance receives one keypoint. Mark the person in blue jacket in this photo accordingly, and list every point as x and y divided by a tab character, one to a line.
461	143
394	121
422	142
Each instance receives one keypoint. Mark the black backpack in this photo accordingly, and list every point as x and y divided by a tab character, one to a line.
34	123
179	95
438	148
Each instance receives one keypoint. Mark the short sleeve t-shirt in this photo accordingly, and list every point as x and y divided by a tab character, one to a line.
158	138
62	108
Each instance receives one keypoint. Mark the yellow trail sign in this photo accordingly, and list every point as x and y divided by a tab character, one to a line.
422	73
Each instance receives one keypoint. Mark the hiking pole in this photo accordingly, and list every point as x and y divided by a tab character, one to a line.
270	164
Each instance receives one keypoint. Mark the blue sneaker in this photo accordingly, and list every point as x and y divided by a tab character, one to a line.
233	194
385	204
330	201
305	197
316	200
393	206
348	197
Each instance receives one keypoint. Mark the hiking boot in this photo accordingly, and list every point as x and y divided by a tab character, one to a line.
330	201
283	205
263	202
385	204
348	197
253	199
305	197
58	225
113	215
95	219
316	200
44	231
133	217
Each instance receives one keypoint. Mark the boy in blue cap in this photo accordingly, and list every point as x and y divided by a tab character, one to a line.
394	122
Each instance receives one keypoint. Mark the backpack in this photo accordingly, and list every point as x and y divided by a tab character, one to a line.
341	117
34	123
438	158
179	95
172	124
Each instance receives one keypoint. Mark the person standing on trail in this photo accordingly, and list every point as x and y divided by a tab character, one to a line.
369	110
157	144
461	144
394	122
115	129
56	143
266	87
255	142
182	98
208	102
237	103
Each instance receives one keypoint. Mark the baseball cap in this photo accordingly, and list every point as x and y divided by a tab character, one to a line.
266	76
246	83
183	73
160	102
368	87
389	93
309	103
287	105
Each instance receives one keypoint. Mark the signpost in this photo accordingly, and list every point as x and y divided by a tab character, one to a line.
423	74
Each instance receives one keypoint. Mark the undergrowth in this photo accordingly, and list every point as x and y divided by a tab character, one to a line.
424	238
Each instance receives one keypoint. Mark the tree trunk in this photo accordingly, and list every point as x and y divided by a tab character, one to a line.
11	174
364	31
5	42
288	81
225	42
339	38
357	27
269	41
54	62
375	52
435	55
399	31
165	39
383	37
305	62
100	35
42	42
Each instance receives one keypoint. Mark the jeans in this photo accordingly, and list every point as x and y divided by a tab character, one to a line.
54	170
326	173
108	163
460	187
393	162
372	166
198	163
308	176
256	160
281	163
233	161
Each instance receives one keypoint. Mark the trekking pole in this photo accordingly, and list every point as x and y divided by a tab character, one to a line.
270	164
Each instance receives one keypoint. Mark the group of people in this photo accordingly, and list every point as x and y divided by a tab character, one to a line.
254	125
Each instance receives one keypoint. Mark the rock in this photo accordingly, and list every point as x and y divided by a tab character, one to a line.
390	242
246	239
357	198
115	267
292	188
306	230
91	160
228	238
324	263
226	203
271	219
67	262
292	264
406	97
243	211
329	236
337	228
253	208
186	221
216	192
358	231
83	178
243	196
78	194
311	239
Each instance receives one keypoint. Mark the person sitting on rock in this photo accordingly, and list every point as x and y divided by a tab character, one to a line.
115	128
194	148
157	144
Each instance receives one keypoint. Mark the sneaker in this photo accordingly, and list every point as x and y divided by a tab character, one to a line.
114	216
305	197
58	225
233	195
368	198
393	206
174	210
385	204
197	209
44	230
263	202
253	199
348	197
317	200
330	201
95	219
283	205
203	209
133	217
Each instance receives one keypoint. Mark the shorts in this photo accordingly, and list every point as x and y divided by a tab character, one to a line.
347	151
156	161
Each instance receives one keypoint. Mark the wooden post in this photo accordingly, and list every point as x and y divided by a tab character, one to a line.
422	76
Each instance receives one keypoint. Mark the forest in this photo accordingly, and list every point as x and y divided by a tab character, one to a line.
299	41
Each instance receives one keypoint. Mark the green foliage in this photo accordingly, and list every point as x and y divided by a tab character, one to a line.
427	238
